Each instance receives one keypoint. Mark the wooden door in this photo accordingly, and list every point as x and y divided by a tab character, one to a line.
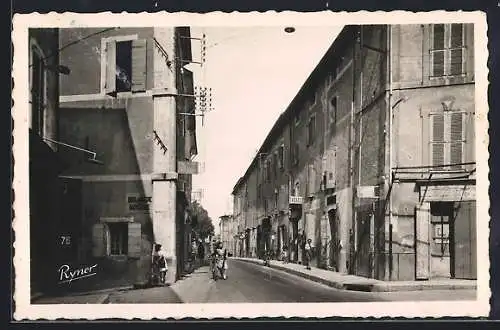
464	242
422	242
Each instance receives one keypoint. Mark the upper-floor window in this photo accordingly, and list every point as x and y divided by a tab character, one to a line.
447	50
447	139
275	164
124	65
281	156
311	130
296	151
332	113
38	87
268	170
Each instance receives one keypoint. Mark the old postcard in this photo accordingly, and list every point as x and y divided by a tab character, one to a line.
217	165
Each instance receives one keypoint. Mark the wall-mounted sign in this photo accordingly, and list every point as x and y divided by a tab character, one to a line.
184	167
139	203
296	200
367	192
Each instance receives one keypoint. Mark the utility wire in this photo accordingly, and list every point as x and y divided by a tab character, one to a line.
75	42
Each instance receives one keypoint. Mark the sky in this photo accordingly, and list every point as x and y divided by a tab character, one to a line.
254	73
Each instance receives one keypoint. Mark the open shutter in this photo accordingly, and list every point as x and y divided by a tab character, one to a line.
110	79
98	240
437	139
456	138
139	65
134	240
422	242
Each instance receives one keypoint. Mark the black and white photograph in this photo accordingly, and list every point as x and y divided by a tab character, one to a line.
319	161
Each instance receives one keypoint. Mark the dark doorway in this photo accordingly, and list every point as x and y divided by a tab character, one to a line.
334	252
463	246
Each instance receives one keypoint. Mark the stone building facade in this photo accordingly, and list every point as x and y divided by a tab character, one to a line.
126	99
354	165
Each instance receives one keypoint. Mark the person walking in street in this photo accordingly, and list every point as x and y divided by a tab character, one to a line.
201	253
284	254
160	267
308	253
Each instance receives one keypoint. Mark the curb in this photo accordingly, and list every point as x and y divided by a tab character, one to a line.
368	287
38	296
104	299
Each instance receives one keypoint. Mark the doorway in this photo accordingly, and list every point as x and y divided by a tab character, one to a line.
334	253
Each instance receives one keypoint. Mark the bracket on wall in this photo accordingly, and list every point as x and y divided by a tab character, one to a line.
159	142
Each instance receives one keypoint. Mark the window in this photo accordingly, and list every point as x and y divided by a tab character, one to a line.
441	214
447	139
281	156
268	170
448	50
311	128
275	165
38	91
333	112
296	150
124	68
118	234
297	120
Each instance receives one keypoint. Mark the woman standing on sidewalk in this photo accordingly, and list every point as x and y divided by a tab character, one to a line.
308	254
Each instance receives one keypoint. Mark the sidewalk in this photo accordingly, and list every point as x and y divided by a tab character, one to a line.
358	283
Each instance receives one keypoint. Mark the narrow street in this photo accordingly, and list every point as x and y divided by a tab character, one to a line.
250	283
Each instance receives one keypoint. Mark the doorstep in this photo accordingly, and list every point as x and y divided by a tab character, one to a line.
359	283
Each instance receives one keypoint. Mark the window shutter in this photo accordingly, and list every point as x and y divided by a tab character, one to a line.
437	140
311	188
438	50
110	81
456	53
139	65
98	240
134	240
456	139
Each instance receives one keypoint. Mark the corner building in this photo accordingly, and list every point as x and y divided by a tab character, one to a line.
125	99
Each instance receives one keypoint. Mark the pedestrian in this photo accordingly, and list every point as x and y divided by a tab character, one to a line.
284	254
201	253
160	266
308	253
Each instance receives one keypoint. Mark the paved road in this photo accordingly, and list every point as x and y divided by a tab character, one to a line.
250	283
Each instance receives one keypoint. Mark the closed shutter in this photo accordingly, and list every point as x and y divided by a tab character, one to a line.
464	257
438	50
437	139
110	79
311	187
134	240
98	240
330	169
456	138
422	242
456	52
139	65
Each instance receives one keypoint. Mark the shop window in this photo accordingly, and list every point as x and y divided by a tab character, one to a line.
447	50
